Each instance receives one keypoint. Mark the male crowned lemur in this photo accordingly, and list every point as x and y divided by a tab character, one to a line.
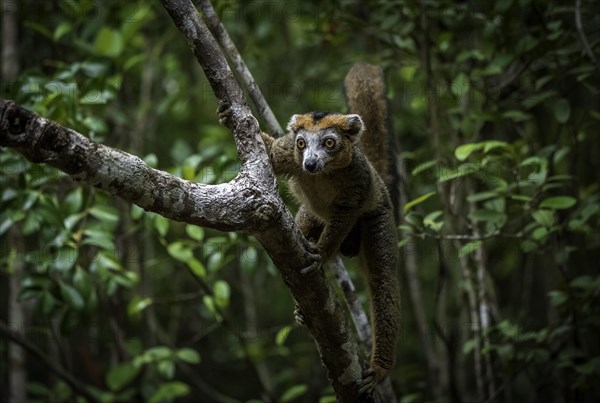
339	170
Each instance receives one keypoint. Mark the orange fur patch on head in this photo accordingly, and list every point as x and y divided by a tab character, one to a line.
317	121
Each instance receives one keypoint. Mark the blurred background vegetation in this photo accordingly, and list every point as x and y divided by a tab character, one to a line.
495	107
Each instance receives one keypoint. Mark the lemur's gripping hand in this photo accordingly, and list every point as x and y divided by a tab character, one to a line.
371	377
314	254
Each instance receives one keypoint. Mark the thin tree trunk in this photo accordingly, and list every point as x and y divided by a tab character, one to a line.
17	373
448	196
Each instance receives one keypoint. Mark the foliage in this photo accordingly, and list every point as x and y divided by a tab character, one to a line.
494	108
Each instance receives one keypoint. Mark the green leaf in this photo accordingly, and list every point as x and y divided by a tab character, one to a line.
516	116
293	393
62	29
558	202
180	251
590	367
82	281
460	85
209	302
423	167
96	98
48	303
283	334
65	258
196	267
490	145
539	233
543	217
562	110
462	152
121	375
222	292
99	238
95	69
37	389
109	43
482	196
157	353
95	124
538	98
430	221
469	248
137	305
169	391
166	368
448	174
416	201
189	355
557	298
5	225
584	282
71	296
195	232
414	219
151	159
105	213
161	224
487	215
74	200
522	198
136	212
469	346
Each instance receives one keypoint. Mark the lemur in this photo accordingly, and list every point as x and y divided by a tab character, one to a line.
338	169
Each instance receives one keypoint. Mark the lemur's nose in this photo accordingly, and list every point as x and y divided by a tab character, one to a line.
310	165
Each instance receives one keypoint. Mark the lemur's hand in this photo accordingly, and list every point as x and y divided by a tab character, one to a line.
299	316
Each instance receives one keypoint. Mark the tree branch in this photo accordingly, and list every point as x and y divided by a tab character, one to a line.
121	174
236	60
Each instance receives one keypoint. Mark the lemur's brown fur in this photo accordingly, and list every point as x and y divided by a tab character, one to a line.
343	198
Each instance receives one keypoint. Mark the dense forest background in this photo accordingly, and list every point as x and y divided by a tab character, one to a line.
495	108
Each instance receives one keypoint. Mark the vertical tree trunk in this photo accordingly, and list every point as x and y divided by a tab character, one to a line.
16	356
17	374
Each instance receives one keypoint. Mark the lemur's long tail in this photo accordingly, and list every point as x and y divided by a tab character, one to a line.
366	95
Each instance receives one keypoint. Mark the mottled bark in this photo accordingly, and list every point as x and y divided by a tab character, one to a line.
236	60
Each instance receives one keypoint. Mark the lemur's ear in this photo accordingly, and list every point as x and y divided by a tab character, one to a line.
354	126
293	124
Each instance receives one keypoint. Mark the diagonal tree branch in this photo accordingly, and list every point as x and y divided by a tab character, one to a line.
236	60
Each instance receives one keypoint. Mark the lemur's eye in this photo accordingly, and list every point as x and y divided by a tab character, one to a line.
329	143
300	143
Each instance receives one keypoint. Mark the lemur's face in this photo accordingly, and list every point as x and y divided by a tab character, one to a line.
323	140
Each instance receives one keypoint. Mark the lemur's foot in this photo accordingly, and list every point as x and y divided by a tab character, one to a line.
314	254
371	377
